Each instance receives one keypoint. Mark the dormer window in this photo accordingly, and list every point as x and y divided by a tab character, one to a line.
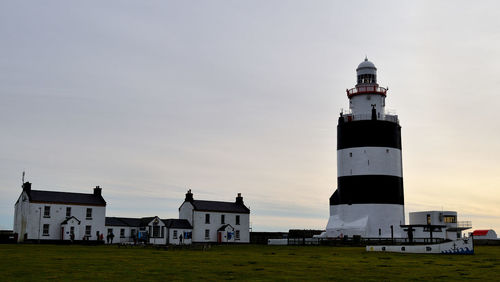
68	211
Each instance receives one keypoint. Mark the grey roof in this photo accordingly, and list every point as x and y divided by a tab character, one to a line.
177	223
217	206
66	198
128	221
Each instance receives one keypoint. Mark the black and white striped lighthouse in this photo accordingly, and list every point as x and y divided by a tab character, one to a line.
369	198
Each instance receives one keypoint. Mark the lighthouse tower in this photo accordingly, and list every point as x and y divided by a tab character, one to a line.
369	198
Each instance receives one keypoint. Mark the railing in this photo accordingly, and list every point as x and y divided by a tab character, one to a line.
464	224
362	241
365	90
351	117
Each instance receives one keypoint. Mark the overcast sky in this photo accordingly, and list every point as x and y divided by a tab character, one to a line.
150	98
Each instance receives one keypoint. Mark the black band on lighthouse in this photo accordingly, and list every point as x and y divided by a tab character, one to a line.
368	133
368	189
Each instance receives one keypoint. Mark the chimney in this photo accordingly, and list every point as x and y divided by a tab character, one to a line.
189	196
97	191
239	199
27	187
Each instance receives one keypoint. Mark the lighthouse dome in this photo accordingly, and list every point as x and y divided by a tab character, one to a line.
366	72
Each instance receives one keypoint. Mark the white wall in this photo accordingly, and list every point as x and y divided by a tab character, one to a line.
199	226
116	231
21	211
28	220
176	241
365	220
186	212
361	104
382	161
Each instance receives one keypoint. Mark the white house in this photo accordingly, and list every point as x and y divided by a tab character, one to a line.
50	215
151	230
436	224
217	222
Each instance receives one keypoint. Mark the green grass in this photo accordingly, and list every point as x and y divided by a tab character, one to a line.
248	262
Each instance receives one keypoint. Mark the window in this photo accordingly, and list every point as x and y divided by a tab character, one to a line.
89	213
122	233
450	219
379	232
132	232
110	230
163	232
72	230
88	230
237	220
207	234
156	231
428	219
222	219
207	218
45	230
237	235
350	154
46	211
175	234
68	211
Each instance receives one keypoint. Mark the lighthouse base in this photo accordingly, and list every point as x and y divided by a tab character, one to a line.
365	220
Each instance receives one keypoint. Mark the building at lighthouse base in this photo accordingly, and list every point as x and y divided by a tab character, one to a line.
366	220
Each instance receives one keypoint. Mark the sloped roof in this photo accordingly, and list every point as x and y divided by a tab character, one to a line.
177	223
66	198
480	232
128	221
216	206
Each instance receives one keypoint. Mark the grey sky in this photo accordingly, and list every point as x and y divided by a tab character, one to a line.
148	99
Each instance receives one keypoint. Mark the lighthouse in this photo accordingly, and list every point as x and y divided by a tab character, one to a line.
369	199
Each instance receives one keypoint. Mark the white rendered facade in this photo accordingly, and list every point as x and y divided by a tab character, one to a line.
446	225
55	221
206	223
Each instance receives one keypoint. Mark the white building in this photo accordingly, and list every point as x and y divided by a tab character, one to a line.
50	215
151	230
369	200
217	222
436	225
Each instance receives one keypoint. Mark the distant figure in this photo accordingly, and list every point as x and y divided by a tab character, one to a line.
72	236
108	237
111	237
101	237
180	239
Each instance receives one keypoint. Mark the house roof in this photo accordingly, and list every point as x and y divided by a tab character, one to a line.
177	223
123	221
480	232
65	198
216	206
138	222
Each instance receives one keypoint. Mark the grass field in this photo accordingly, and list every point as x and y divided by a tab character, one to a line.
249	262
